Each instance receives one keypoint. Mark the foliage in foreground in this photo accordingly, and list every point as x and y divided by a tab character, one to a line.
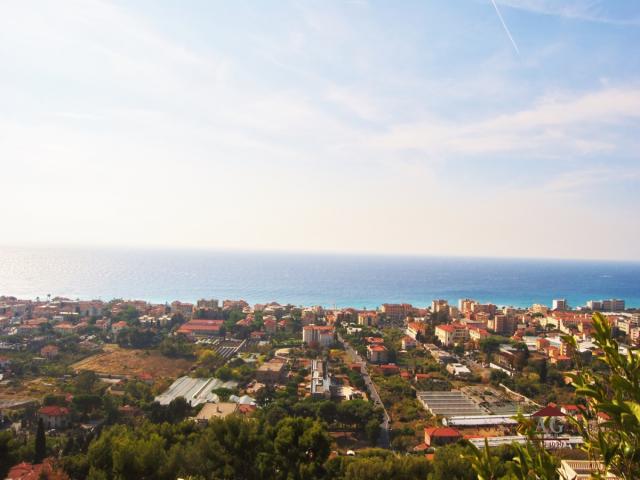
612	394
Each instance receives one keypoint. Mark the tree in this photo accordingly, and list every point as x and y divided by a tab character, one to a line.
610	420
41	443
490	345
612	395
372	430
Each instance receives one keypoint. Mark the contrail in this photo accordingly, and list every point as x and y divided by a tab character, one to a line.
506	29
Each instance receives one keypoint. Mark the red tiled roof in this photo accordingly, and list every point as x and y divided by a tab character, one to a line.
549	411
54	411
377	348
435	432
374	340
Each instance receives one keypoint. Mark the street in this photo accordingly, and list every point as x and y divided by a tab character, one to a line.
383	440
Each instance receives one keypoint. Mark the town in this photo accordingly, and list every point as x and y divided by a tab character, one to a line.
420	382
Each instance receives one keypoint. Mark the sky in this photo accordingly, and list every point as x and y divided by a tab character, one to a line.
404	127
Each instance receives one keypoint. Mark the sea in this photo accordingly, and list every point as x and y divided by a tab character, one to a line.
361	281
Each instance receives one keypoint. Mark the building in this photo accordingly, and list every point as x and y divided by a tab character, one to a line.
320	335
397	311
458	370
30	471
452	334
613	305
439	436
54	416
415	328
584	470
184	309
465	305
595	305
537	308
205	304
117	327
560	304
377	353
440	305
368	318
477	333
503	324
49	352
270	323
201	328
408	343
271	372
320	380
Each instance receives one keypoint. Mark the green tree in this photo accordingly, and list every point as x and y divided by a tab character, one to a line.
615	395
612	393
41	443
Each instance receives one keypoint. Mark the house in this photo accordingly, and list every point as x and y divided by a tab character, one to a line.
452	334
439	436
415	328
4	362
49	352
571	410
54	417
408	343
65	328
389	369
117	327
374	340
477	333
368	318
270	324
377	353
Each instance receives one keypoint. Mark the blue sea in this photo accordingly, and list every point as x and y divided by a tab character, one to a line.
308	279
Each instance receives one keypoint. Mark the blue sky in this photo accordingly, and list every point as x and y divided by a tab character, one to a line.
364	126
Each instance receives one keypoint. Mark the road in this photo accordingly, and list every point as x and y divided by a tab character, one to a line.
383	440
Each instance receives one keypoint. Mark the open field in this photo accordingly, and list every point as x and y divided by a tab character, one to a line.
117	361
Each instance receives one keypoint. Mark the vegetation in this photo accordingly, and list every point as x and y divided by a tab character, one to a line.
612	394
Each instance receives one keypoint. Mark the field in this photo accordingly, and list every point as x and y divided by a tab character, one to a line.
132	363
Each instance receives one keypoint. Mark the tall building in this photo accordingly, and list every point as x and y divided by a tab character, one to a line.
465	305
321	335
613	305
560	304
609	305
595	305
440	305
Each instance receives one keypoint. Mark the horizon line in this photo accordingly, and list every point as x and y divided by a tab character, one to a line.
275	251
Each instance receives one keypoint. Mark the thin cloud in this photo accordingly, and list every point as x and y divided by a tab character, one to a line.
576	10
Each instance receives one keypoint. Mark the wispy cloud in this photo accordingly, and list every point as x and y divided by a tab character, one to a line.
584	10
551	127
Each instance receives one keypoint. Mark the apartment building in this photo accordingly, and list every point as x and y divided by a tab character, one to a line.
321	335
452	334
